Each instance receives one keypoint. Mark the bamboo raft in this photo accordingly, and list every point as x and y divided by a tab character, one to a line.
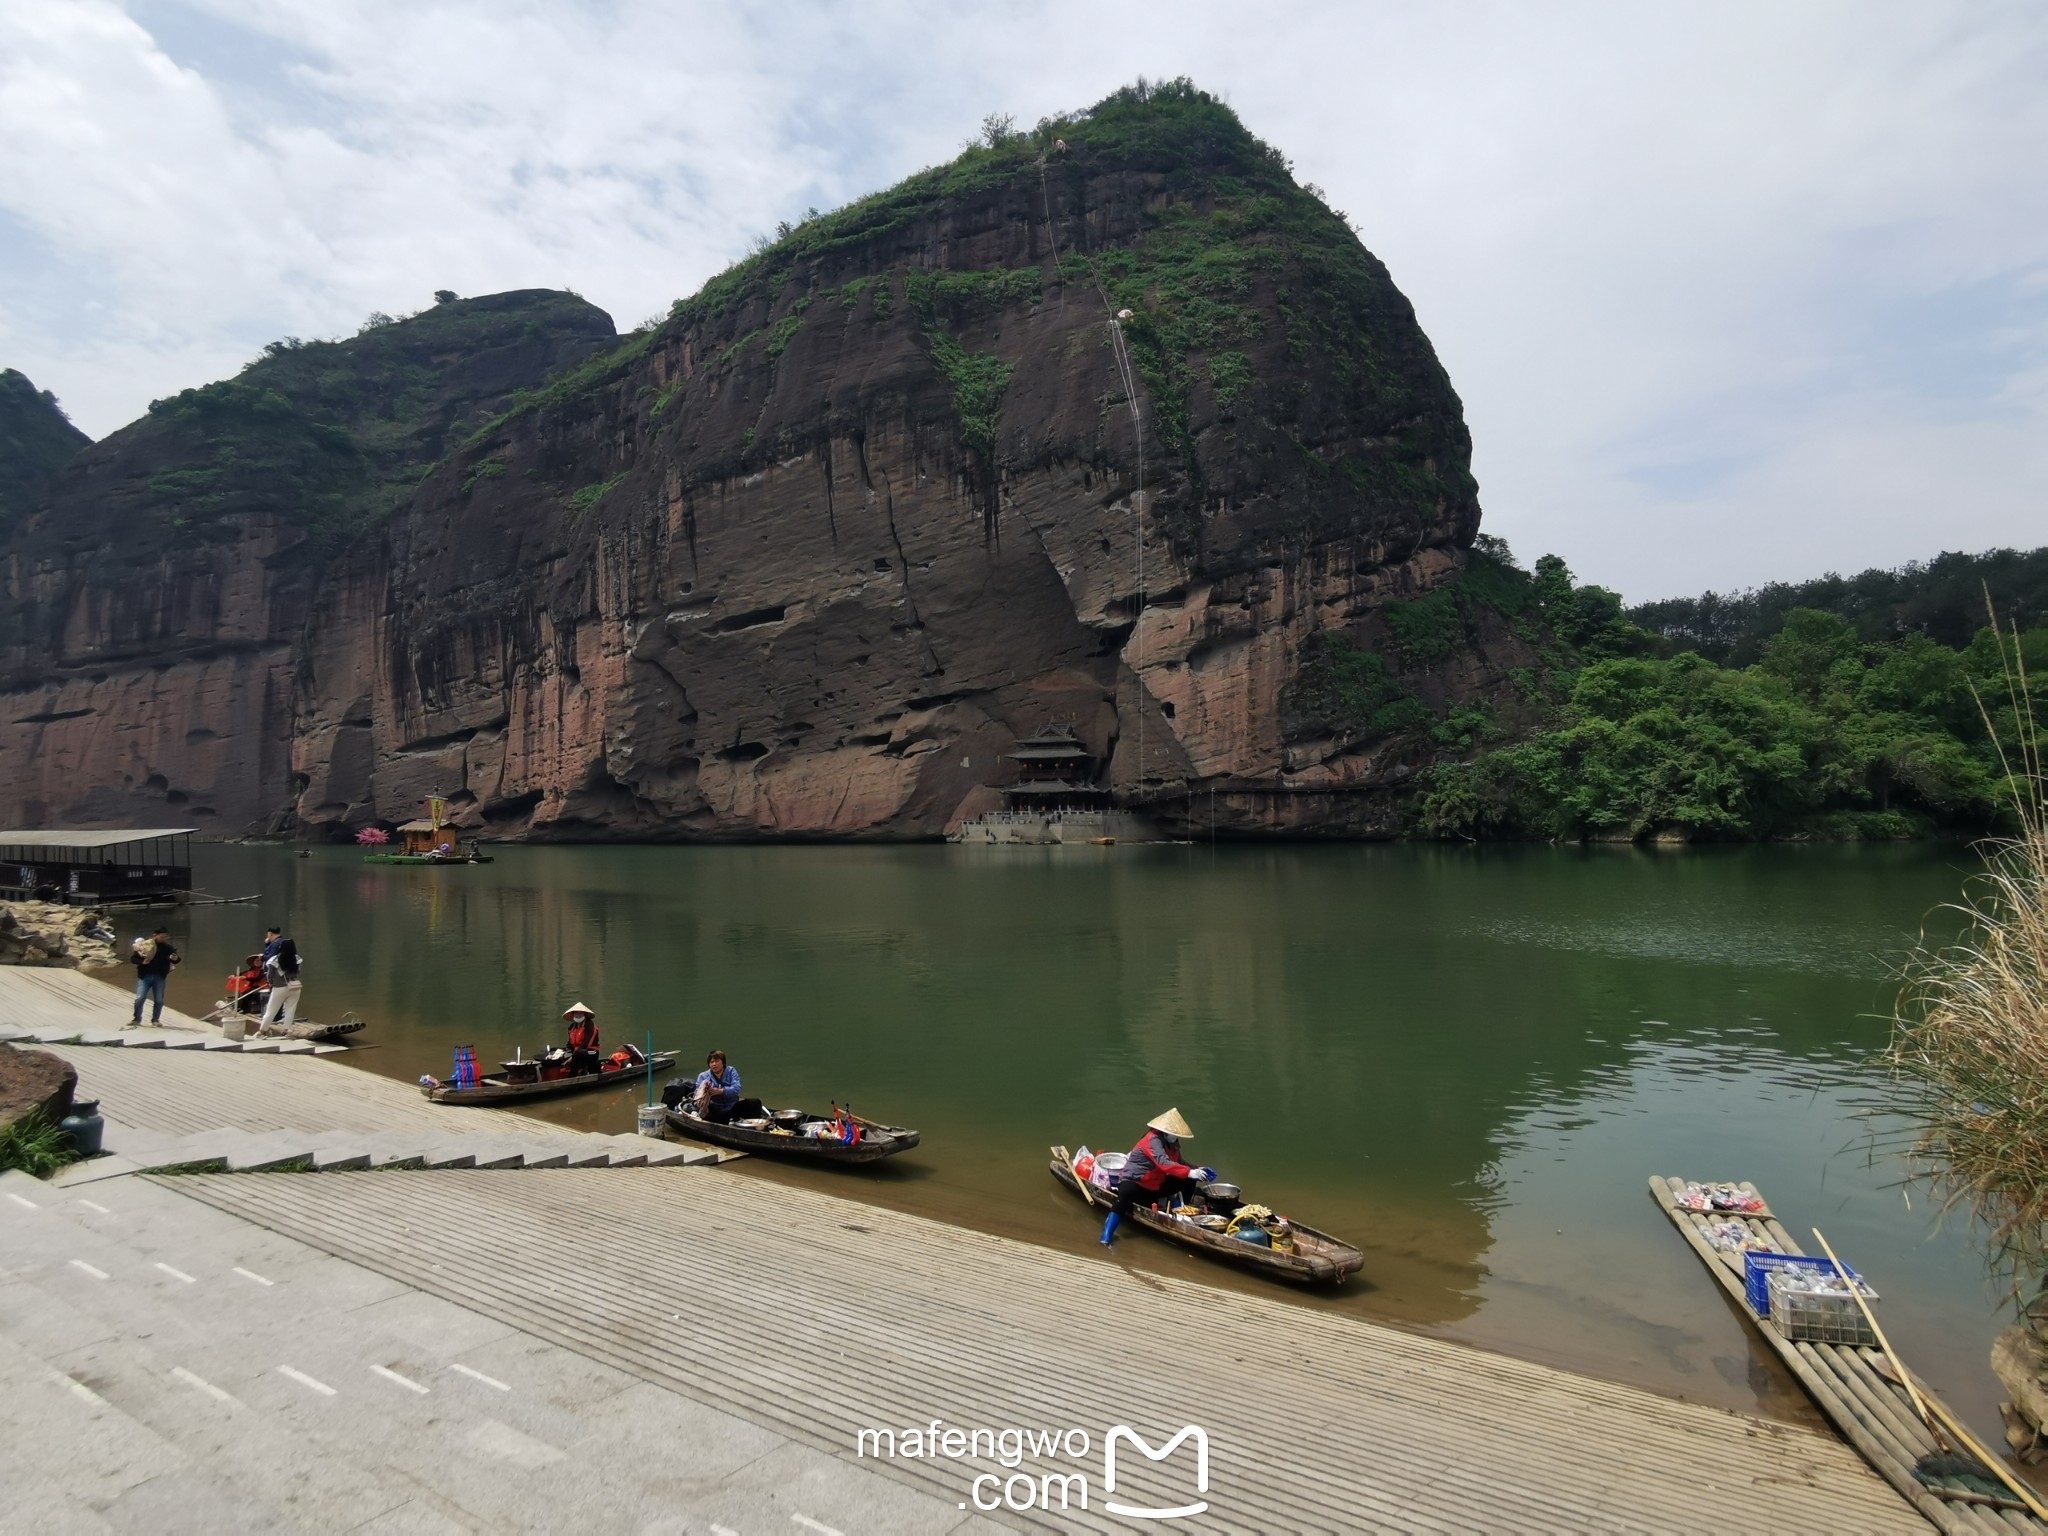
1854	1385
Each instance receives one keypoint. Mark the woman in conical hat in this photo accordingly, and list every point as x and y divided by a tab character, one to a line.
1154	1170
582	1038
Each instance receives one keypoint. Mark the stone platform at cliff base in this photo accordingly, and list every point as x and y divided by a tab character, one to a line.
449	1348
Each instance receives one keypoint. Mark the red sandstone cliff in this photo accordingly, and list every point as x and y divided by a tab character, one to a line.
806	559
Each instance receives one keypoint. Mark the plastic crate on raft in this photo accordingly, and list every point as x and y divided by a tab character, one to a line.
1819	1317
1816	1317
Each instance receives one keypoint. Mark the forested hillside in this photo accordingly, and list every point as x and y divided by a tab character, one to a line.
1942	598
1872	706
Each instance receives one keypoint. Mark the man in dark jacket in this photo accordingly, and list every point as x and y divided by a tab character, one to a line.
152	959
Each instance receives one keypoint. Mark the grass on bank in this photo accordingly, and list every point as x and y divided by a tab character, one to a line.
35	1146
1970	1035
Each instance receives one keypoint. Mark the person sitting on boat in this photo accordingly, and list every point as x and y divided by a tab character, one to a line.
582	1039
718	1089
1154	1169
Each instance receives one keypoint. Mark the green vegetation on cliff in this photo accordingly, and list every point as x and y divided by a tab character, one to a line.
333	435
36	440
1250	309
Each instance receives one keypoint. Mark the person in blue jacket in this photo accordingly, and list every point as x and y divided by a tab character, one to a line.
718	1089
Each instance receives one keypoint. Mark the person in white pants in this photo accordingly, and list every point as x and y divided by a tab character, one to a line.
281	970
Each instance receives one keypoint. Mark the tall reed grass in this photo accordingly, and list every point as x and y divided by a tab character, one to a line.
1970	1033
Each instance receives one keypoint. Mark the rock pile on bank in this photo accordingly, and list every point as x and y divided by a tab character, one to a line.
50	933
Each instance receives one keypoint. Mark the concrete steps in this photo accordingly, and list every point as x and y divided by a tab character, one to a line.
233	1151
148	1038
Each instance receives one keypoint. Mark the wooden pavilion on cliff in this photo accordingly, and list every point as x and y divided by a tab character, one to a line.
91	867
1056	776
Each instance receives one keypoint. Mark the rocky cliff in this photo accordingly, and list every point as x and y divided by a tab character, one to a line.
155	601
1111	423
36	440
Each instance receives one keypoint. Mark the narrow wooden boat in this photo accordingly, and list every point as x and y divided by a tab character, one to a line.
876	1142
1318	1258
498	1089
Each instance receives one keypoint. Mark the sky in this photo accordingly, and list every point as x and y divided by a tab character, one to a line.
1732	292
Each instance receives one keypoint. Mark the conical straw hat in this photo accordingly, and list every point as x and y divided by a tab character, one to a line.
573	1009
1171	1123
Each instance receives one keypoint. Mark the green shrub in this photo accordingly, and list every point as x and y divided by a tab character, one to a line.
582	500
783	332
35	1146
1340	689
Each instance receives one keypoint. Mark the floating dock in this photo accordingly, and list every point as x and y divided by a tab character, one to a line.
1852	1384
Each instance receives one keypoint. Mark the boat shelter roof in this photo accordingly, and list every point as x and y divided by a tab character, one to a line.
89	838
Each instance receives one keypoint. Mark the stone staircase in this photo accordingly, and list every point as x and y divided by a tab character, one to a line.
234	1151
165	1040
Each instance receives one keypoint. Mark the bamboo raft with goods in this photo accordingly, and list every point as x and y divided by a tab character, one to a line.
224	1014
1310	1257
1913	1441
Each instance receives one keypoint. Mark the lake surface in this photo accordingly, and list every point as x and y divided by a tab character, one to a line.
1467	1061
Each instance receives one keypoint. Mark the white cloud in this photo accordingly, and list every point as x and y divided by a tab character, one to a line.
1730	293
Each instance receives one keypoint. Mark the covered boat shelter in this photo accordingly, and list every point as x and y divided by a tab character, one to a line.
97	867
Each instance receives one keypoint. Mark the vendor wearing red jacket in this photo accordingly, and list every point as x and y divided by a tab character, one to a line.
1155	1169
582	1039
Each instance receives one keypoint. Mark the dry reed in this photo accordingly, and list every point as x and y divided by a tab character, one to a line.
1970	1033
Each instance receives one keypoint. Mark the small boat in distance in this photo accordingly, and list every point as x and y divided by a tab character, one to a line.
784	1133
526	1078
1316	1257
428	841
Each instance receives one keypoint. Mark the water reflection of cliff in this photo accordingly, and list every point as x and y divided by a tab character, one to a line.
1366	1034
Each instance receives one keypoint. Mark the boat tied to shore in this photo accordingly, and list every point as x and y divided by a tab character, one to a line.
840	1137
1223	1227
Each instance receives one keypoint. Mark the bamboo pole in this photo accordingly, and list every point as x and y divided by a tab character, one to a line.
1856	1291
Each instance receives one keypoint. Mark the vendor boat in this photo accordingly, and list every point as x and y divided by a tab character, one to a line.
1310	1258
526	1078
428	841
797	1134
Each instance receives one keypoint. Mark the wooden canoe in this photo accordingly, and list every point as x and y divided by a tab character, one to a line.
877	1141
1318	1258
495	1090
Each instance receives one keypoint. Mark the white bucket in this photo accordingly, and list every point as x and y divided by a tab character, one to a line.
653	1120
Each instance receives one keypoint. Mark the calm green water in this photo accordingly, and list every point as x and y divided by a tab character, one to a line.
1467	1061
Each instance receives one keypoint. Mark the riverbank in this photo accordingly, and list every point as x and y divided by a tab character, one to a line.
817	1316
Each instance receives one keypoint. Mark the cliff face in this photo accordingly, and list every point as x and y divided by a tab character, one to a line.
156	601
1115	425
36	440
